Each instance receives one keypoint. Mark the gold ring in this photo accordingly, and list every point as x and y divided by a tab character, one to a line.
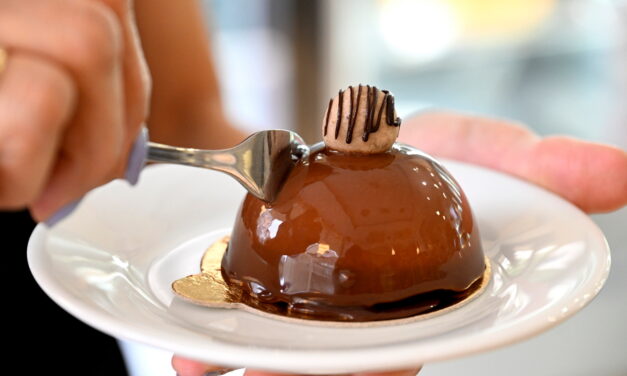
4	56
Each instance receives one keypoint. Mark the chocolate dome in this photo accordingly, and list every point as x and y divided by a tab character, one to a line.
357	237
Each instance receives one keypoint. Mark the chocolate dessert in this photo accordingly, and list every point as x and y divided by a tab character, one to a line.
363	229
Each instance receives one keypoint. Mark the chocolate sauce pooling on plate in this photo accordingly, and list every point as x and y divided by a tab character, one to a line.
357	238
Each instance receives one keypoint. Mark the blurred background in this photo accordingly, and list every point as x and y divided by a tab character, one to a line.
559	66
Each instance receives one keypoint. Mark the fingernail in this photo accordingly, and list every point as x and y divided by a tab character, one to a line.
137	160
218	372
137	157
60	214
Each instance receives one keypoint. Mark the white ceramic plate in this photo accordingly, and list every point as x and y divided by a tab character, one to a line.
112	262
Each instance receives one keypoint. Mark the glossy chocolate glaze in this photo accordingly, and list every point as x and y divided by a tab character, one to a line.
357	238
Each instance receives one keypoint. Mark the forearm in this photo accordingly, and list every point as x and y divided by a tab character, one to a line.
186	108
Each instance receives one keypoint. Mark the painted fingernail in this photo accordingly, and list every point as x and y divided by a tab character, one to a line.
62	213
218	372
137	157
136	162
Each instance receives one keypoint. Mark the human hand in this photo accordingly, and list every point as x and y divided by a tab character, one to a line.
590	175
73	95
576	170
187	367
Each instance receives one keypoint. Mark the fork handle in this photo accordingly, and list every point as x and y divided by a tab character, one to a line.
221	160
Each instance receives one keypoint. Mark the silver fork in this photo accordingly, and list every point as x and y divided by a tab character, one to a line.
261	162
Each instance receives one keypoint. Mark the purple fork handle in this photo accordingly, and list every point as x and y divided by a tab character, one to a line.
136	162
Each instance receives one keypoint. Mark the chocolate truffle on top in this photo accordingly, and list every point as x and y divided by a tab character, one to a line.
363	230
361	120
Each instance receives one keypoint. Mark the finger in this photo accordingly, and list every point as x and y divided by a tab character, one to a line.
136	76
36	101
252	372
188	367
576	170
407	372
593	176
85	38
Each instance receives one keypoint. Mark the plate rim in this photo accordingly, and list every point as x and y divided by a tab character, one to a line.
307	361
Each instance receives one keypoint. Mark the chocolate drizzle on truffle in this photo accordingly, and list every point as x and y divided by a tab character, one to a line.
371	126
389	108
326	118
353	117
372	105
339	113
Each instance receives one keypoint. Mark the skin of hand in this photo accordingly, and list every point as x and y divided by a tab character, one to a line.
574	169
590	175
72	97
186	108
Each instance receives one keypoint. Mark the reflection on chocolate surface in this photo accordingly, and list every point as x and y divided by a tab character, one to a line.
355	237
